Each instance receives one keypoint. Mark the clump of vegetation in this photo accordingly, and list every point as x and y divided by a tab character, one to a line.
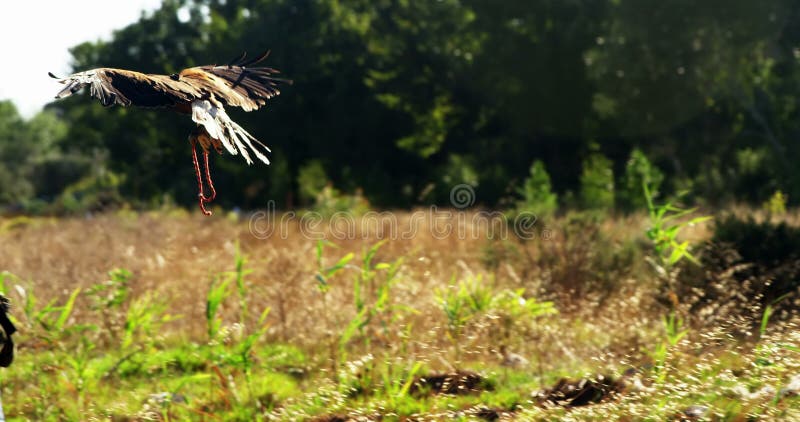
461	302
597	183
776	204
639	171
311	179
317	191
97	191
537	193
665	228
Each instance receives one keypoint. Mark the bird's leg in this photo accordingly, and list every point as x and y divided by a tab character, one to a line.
202	198
206	142
208	177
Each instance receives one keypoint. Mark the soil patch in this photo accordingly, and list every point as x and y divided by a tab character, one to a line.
455	383
582	392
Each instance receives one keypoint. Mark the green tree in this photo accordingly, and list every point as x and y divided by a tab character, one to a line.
597	183
638	171
536	192
29	150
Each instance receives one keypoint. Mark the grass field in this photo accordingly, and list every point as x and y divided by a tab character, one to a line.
170	316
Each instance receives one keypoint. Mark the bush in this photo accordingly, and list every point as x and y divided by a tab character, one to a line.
458	170
597	183
311	179
537	194
318	192
330	201
638	171
96	192
26	147
776	204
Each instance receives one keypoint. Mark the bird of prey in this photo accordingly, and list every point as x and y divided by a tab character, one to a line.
203	92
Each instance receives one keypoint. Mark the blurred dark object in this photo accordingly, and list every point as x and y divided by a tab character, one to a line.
582	392
454	383
7	353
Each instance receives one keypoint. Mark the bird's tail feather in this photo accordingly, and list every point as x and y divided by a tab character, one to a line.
235	134
233	137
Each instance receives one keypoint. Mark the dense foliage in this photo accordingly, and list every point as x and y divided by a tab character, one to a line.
402	100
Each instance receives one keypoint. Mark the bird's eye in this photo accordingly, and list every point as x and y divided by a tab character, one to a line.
174	76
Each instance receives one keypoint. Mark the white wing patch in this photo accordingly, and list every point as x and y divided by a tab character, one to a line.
220	126
75	82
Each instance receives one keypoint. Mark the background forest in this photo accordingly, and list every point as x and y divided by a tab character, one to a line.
398	101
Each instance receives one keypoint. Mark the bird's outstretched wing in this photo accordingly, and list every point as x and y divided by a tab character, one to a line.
235	84
126	87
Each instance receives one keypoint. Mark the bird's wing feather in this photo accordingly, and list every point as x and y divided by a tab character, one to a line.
236	84
125	87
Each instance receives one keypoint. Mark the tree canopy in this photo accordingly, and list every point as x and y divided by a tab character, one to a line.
402	99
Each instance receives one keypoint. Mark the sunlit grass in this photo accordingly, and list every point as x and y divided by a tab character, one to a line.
200	320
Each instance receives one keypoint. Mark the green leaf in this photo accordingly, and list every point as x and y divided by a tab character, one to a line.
409	379
765	319
371	253
263	316
790	347
697	220
320	247
355	324
66	310
329	272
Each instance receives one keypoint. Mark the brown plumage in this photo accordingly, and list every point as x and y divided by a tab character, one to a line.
202	91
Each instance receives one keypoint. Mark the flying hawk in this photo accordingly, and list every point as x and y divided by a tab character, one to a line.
203	92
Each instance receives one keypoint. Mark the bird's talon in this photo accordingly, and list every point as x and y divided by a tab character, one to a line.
203	209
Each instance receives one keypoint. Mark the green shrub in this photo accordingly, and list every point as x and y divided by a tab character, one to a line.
638	171
317	191
776	204
95	192
755	177
537	194
597	183
458	170
330	201
28	149
311	180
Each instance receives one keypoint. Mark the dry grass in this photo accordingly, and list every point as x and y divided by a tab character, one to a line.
177	256
609	320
